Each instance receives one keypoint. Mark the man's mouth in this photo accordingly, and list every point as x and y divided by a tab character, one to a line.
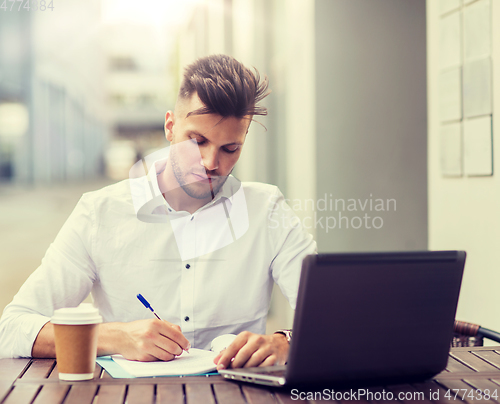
206	178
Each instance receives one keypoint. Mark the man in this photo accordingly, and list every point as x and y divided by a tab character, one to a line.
187	235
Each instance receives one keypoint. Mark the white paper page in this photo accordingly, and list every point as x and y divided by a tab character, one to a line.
195	362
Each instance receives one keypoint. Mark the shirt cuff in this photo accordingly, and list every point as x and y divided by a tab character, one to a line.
29	326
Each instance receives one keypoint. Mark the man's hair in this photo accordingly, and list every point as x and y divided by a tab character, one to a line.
225	87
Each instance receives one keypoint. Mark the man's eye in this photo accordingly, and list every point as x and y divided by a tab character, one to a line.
197	141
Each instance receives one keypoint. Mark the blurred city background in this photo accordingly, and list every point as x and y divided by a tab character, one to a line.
353	114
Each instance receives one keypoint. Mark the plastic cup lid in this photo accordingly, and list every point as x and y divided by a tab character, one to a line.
85	313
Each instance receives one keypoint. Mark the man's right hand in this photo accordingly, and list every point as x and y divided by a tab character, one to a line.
146	340
141	340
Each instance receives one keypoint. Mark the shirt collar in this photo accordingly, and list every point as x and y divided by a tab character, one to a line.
156	199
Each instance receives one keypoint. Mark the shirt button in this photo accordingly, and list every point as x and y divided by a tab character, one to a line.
186	318
188	266
170	210
192	217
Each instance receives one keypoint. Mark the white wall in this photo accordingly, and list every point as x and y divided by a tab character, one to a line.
464	212
371	139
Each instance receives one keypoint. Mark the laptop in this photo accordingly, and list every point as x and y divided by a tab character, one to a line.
369	319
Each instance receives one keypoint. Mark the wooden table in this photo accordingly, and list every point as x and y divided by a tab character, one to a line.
470	371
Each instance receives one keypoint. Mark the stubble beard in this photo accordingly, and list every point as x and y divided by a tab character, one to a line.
193	189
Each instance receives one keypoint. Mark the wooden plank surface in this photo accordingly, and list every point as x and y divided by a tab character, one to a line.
199	394
469	369
455	365
170	394
54	374
484	388
52	394
5	388
82	393
39	369
475	348
257	395
228	393
141	380
10	370
22	394
473	361
141	394
111	394
489	356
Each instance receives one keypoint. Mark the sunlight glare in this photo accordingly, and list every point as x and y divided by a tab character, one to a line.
155	12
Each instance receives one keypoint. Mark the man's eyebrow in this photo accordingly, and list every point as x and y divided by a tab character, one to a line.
193	132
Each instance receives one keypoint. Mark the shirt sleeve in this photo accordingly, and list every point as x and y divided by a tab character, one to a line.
64	279
291	243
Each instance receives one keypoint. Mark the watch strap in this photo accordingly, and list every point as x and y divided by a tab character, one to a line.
286	333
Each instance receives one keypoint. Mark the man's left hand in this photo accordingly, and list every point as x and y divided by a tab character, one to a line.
249	350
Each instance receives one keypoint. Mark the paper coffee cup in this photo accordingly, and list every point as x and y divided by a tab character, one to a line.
75	331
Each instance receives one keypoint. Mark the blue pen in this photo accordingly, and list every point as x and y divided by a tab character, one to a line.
148	306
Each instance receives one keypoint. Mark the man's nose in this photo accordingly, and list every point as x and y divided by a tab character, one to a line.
210	160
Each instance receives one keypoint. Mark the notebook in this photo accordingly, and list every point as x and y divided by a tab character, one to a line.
196	362
369	319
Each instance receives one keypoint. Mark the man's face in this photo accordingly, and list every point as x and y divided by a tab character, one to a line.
204	148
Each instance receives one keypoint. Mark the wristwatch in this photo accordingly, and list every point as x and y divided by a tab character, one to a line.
286	333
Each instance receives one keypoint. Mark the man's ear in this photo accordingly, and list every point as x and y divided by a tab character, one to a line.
169	125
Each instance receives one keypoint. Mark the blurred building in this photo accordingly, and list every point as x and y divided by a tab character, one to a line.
138	90
51	74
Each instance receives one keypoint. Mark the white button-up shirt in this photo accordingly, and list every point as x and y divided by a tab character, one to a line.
211	272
